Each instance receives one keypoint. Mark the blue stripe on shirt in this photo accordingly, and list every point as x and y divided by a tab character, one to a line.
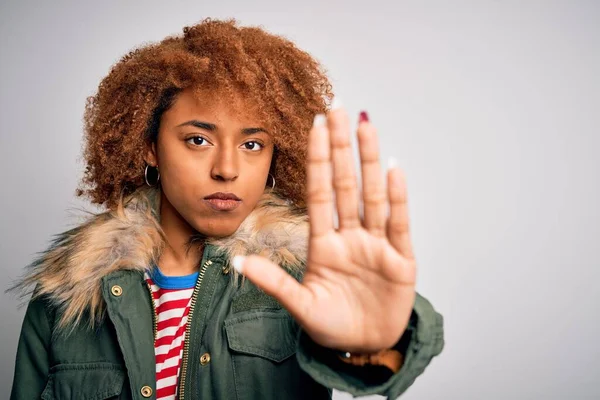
172	282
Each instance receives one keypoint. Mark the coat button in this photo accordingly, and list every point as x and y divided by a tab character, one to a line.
146	391
116	290
205	359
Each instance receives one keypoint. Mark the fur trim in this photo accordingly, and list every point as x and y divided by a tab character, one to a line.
273	230
69	273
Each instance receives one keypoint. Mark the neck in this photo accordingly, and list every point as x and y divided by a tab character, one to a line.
178	258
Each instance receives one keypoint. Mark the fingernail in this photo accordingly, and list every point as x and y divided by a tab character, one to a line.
320	120
238	263
363	117
392	163
336	103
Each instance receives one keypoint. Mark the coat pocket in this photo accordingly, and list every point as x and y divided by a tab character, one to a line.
262	345
84	381
267	334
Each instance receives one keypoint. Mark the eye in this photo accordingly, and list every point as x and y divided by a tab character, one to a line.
197	141
253	146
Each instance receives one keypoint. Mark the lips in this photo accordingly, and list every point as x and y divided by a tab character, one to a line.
223	201
222	196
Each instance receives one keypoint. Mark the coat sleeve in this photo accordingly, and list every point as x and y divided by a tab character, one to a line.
424	339
32	362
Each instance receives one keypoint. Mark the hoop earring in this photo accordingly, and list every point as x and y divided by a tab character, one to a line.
153	171
272	177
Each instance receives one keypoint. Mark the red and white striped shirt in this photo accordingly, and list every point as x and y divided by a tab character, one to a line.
172	297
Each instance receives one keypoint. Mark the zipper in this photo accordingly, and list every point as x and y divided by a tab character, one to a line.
186	345
154	312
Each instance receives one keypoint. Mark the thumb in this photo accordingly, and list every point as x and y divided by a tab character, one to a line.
275	281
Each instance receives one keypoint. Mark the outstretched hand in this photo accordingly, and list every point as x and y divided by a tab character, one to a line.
358	288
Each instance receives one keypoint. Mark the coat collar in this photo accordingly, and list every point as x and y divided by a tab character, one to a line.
70	272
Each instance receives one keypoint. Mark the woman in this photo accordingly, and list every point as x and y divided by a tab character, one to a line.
212	150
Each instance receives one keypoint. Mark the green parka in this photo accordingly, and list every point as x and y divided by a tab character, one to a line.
89	330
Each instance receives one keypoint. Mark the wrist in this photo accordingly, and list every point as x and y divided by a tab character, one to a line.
389	358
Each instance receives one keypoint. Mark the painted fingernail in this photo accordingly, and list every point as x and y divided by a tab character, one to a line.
238	263
320	120
363	117
392	163
336	103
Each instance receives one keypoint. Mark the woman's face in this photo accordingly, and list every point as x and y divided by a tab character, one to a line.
206	147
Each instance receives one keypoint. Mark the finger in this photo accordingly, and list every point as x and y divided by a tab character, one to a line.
344	175
318	174
374	195
275	281
398	225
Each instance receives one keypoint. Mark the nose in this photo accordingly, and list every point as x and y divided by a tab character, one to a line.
225	166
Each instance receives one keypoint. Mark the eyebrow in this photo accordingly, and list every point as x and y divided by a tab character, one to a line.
212	127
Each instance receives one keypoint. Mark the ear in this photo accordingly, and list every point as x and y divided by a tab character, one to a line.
151	157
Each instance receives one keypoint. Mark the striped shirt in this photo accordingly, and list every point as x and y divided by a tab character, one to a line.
172	296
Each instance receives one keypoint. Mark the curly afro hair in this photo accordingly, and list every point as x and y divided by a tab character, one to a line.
285	85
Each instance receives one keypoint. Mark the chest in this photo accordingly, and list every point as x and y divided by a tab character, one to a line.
239	344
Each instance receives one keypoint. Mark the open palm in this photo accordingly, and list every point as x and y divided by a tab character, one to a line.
358	289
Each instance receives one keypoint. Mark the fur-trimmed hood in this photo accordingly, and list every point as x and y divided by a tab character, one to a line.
70	272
